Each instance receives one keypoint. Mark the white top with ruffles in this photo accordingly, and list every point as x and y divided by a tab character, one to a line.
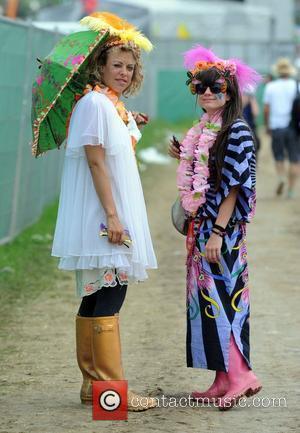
95	121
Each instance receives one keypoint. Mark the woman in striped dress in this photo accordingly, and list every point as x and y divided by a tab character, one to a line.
216	182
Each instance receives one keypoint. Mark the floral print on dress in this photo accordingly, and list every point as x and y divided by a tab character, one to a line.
205	281
89	288
252	205
246	296
110	277
122	277
217	297
245	275
243	252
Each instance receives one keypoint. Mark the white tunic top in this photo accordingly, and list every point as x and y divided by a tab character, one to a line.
279	95
95	121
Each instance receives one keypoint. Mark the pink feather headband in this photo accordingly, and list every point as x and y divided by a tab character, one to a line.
199	59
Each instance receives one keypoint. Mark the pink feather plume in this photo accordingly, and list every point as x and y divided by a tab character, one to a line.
247	77
197	54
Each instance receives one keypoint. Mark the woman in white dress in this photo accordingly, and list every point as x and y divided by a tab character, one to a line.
102	229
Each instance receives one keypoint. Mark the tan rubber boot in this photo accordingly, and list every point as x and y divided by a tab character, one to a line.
84	357
106	348
107	362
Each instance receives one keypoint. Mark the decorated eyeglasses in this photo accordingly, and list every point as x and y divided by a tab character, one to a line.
215	88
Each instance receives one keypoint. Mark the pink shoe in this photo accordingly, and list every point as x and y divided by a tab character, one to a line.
233	396
216	390
242	380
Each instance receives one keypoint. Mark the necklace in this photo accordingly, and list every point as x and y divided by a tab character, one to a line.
193	171
110	94
120	107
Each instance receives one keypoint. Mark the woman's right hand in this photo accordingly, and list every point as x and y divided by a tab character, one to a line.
115	230
173	150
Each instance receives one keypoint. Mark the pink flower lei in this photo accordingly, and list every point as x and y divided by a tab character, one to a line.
193	171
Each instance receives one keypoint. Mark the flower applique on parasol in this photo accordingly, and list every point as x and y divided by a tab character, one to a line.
61	76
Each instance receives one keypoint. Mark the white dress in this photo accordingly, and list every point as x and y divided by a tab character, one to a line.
95	121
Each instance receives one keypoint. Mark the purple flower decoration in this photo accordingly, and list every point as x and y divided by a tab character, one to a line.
103	227
104	232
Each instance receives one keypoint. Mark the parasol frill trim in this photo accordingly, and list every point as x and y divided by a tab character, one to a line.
35	150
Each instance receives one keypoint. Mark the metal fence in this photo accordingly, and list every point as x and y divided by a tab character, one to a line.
28	184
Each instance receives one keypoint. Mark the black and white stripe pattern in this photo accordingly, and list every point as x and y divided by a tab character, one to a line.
239	168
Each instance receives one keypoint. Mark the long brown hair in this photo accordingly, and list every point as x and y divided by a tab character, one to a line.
232	110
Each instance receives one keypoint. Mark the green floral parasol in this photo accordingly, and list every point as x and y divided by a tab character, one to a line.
60	78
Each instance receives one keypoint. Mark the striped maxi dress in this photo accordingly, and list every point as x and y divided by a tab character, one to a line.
218	293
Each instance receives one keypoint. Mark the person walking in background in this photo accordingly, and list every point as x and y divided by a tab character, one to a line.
250	114
216	183
278	98
267	78
102	231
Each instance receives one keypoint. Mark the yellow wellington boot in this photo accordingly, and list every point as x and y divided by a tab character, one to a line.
107	362
84	357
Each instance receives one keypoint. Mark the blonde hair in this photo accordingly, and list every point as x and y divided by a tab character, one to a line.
99	58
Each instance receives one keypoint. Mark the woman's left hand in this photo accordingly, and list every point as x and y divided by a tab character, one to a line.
213	248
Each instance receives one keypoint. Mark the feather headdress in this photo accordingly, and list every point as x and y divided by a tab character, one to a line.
200	58
116	26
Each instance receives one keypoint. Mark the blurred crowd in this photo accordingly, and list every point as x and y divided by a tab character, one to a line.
281	113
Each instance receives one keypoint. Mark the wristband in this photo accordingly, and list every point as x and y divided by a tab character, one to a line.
222	229
221	234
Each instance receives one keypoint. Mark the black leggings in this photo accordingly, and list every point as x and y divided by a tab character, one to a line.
105	302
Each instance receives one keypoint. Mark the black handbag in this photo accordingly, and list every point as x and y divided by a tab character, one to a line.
179	218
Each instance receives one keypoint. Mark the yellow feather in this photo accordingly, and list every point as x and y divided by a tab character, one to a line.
117	27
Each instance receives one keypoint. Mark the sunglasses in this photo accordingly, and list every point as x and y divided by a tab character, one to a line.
215	88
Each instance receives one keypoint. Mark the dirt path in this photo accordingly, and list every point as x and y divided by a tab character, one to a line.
40	379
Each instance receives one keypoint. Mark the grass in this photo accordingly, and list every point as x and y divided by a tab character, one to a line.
26	265
26	268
